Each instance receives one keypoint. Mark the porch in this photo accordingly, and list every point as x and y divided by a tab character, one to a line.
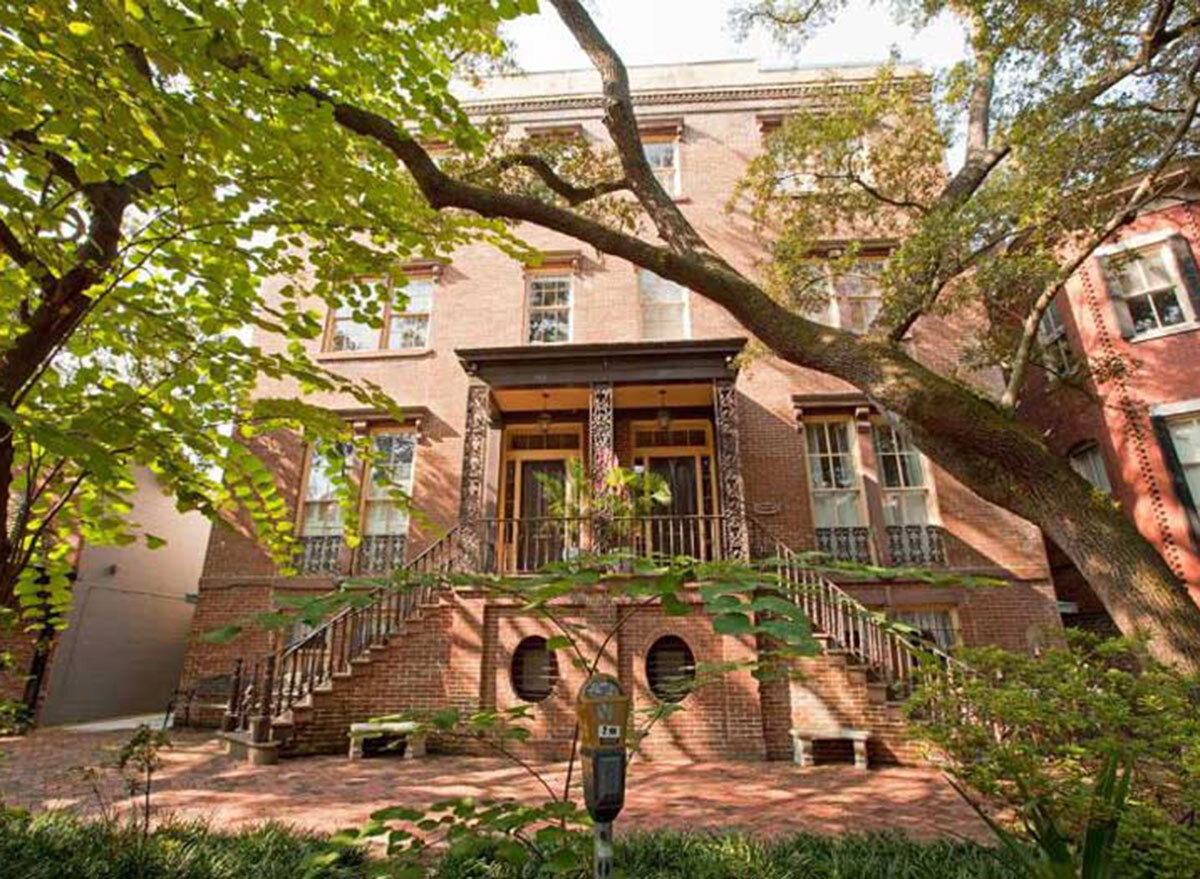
546	425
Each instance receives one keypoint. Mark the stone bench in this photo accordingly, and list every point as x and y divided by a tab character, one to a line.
414	744
802	743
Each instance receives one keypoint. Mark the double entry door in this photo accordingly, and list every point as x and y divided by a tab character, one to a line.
682	457
539	523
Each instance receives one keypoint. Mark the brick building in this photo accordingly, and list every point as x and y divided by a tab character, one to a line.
509	372
1130	422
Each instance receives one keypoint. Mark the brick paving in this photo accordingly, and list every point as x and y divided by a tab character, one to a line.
45	770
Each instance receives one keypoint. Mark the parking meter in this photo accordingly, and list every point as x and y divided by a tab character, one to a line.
603	710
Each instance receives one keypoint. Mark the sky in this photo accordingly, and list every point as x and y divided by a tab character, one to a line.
674	31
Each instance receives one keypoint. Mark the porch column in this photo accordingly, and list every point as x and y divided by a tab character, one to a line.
470	498
729	463
602	455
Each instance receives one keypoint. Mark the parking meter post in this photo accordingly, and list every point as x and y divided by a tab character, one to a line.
602	863
603	710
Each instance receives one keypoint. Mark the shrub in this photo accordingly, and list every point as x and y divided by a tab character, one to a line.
1037	732
56	845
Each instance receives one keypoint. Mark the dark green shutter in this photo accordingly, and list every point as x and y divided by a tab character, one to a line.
1162	430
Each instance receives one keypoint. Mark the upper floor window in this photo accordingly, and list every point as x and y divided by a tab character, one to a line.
1052	337
854	296
407	312
549	309
1153	287
902	477
1088	462
833	475
663	157
664	307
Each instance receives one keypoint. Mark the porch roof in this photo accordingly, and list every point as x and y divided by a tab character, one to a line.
646	361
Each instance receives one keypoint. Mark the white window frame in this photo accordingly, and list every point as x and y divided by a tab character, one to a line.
643	277
313	460
833	298
673	183
1186	465
900	441
1087	460
1056	348
406	487
897	611
530	310
392	313
1133	249
855	462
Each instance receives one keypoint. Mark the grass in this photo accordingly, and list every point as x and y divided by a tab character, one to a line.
802	856
53	845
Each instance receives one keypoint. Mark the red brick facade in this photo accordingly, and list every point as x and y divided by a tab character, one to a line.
1139	384
459	652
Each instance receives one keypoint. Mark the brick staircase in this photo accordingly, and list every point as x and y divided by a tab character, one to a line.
393	650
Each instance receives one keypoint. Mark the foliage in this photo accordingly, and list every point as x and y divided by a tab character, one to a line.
1040	734
1053	855
148	191
51	845
669	855
141	755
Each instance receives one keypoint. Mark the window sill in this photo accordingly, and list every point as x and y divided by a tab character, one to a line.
1190	327
377	354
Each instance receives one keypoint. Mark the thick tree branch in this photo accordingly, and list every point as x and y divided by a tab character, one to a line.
574	195
622	126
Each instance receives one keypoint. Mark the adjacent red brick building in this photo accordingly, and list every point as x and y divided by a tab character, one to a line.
510	371
1120	391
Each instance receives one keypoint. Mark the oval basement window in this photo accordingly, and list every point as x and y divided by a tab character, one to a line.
534	669
670	668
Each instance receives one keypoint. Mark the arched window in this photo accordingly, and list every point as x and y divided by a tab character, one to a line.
670	668
534	669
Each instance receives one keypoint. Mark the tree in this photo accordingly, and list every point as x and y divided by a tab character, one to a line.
143	202
1058	98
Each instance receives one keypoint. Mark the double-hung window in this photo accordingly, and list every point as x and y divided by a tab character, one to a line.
664	307
1052	339
548	309
836	491
906	497
408	321
1153	287
321	511
849	299
935	625
663	158
1088	462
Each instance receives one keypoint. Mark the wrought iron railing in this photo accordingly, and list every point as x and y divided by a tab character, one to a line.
915	545
519	546
893	658
380	553
274	683
319	554
845	544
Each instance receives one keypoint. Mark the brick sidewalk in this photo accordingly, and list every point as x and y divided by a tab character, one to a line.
329	793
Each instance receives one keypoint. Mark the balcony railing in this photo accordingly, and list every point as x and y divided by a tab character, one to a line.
380	553
518	546
916	545
320	555
845	544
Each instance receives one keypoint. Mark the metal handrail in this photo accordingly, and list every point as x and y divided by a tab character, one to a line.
852	627
314	658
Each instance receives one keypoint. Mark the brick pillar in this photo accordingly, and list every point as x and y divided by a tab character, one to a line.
474	470
729	464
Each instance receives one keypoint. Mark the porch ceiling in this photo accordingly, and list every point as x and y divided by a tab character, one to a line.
632	396
642	363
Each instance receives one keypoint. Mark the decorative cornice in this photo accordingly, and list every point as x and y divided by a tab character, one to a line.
727	94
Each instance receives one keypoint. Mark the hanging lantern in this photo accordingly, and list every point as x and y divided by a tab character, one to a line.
544	419
664	414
